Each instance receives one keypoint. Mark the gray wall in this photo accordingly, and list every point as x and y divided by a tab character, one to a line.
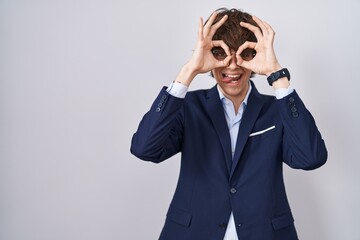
77	76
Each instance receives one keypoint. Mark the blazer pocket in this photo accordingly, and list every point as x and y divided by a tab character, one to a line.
282	221
262	131
179	216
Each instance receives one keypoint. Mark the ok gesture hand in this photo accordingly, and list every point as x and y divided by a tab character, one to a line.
265	61
203	60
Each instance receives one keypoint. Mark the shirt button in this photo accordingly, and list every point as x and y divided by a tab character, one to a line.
233	190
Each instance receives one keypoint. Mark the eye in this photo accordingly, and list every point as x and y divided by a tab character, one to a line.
219	53
248	54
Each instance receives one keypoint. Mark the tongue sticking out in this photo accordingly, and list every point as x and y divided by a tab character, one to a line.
231	78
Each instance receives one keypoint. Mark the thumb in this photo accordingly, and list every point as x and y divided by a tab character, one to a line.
225	62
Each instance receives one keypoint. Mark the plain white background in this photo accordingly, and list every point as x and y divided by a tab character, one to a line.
76	77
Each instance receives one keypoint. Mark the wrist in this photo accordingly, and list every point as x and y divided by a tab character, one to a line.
279	79
186	75
273	69
281	83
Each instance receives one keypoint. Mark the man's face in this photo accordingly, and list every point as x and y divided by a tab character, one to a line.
233	79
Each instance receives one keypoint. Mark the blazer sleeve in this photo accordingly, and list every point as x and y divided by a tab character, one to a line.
159	134
303	145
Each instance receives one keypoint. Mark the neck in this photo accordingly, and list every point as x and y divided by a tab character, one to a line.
237	99
236	102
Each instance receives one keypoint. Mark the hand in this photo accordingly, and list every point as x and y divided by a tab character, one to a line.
265	61
202	60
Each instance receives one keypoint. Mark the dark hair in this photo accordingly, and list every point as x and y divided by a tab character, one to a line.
231	32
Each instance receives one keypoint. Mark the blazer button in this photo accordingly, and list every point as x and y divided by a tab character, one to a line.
158	109
233	190
295	114
291	99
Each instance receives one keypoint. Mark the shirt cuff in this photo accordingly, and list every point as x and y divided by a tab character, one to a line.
177	89
283	92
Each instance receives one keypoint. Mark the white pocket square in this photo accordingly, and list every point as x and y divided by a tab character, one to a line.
262	131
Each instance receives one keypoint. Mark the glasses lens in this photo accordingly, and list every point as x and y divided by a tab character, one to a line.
248	54
219	53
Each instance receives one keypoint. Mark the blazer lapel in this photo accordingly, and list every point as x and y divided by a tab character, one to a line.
216	113
248	120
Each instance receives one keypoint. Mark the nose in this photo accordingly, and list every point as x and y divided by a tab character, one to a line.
233	61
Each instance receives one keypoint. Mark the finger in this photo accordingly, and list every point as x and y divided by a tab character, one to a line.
200	29
223	63
261	24
217	25
227	60
239	60
270	30
244	46
254	29
268	27
242	63
209	23
222	44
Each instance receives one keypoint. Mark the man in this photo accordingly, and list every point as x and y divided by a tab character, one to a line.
233	140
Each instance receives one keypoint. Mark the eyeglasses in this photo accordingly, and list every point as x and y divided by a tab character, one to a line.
220	54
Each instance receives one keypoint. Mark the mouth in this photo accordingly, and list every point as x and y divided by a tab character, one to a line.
231	78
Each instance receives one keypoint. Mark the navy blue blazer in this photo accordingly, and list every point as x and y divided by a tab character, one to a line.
211	184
